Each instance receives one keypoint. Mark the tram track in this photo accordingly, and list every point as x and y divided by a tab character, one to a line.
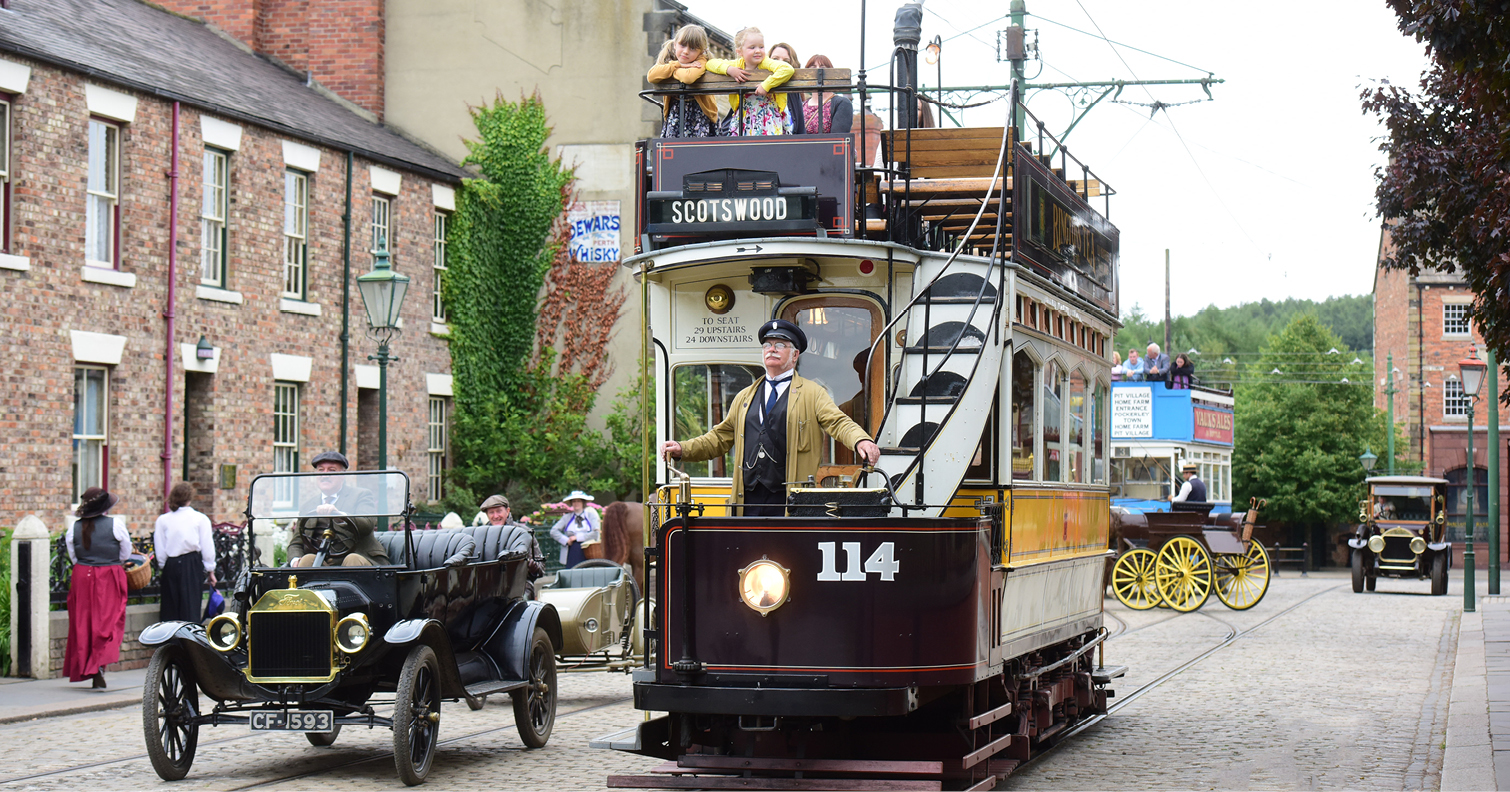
383	756
1233	633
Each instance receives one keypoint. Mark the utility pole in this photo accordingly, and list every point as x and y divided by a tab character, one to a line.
1165	350
1017	53
1494	471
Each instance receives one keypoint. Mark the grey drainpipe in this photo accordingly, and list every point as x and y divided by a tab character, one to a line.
346	302
168	313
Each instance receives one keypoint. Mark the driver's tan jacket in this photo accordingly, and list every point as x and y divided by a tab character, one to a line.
352	535
809	408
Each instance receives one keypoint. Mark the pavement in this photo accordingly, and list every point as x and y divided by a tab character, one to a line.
1478	718
23	699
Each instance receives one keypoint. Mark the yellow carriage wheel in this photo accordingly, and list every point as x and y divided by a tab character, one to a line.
1242	579
1183	574
1133	579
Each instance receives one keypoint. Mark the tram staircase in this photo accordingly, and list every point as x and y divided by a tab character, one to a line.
947	380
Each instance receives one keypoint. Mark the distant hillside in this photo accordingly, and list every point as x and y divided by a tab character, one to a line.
1244	328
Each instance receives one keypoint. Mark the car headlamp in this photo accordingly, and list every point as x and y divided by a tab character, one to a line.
1417	545
591	625
1376	544
352	633
764	585
224	632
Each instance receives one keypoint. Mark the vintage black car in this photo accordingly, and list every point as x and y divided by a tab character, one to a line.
1402	532
315	648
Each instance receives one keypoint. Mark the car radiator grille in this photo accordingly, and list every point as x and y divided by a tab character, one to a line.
284	644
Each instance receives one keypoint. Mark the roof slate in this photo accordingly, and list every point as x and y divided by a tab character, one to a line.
142	47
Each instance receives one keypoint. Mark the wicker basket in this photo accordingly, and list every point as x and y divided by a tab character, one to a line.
138	572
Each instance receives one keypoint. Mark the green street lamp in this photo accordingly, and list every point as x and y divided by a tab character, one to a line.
1473	371
383	293
1368	459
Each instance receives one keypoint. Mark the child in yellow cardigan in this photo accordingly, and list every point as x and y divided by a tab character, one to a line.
761	113
684	59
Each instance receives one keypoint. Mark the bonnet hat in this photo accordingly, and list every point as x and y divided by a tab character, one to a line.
94	502
578	495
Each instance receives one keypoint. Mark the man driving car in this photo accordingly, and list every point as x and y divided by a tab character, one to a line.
352	543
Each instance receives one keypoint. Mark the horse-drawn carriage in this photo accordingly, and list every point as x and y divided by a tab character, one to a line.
1176	558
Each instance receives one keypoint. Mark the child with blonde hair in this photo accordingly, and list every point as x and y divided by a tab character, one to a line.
683	59
760	113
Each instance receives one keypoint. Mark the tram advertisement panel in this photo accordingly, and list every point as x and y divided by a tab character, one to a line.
1057	232
823	162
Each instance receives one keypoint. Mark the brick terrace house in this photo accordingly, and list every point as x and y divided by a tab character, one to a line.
1422	321
117	259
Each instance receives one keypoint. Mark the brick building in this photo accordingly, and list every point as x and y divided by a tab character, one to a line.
1422	323
109	285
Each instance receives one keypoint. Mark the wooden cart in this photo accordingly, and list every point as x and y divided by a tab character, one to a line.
1175	559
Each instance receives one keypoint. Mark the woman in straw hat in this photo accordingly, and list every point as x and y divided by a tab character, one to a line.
581	525
97	545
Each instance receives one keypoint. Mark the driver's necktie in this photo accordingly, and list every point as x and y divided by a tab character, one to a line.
772	397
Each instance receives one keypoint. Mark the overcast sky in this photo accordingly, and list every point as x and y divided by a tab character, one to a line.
1266	192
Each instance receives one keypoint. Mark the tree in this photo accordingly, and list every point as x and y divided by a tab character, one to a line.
1297	444
1445	191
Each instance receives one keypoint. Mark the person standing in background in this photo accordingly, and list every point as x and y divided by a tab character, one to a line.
185	546
97	545
581	525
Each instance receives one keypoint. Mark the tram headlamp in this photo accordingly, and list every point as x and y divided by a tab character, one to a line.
764	585
352	633
224	632
1417	545
1376	544
719	299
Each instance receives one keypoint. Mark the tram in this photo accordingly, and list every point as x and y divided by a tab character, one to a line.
938	619
1157	430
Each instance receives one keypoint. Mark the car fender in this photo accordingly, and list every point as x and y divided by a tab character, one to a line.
510	644
431	633
1438	546
1357	544
163	632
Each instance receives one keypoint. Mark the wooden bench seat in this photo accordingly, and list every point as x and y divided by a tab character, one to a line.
968	152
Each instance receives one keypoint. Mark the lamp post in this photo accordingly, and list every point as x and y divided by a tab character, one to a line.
382	295
1472	370
934	57
1368	459
1389	396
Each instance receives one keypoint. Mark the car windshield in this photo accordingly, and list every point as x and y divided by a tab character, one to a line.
1402	502
374	494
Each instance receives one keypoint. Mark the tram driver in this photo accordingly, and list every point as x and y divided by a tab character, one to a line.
768	458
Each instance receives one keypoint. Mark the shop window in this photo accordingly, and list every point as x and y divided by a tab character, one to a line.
1457	503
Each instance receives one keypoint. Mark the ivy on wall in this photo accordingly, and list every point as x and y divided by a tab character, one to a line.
520	421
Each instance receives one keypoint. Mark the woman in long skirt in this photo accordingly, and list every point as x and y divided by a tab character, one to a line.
97	545
186	547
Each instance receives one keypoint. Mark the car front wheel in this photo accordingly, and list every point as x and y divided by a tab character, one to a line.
1357	571
170	704
416	715
1439	574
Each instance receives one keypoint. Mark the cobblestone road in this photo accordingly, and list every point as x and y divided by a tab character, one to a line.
1344	691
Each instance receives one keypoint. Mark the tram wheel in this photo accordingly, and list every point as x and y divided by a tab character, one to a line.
1242	579
1133	579
1183	574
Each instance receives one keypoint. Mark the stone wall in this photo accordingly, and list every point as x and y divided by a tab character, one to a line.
133	654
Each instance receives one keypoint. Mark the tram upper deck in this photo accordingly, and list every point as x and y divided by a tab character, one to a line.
959	298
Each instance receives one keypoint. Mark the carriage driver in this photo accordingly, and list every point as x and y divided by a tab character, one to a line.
1193	490
772	425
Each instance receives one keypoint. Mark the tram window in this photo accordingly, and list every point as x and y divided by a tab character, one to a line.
1141	478
1053	421
839	332
1080	400
1024	414
702	396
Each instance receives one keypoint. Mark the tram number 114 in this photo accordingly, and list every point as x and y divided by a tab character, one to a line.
882	562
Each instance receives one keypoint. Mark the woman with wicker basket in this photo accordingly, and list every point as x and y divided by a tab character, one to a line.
98	545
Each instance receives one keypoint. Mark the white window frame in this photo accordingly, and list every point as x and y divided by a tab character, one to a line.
295	234
382	225
438	439
286	404
1454	401
442	223
214	216
95	444
1455	326
5	172
103	192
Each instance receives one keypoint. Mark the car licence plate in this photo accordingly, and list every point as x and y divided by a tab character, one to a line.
293	720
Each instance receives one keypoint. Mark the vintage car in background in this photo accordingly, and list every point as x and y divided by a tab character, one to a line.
313	649
596	601
1402	532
